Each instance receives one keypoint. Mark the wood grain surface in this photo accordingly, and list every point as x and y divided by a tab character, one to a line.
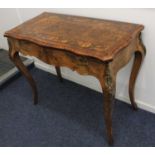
89	46
101	39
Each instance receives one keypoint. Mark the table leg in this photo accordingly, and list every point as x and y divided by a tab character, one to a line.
108	87
14	56
58	71
134	73
107	106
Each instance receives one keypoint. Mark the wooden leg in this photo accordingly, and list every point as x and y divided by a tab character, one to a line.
14	56
107	106
108	87
59	73
134	73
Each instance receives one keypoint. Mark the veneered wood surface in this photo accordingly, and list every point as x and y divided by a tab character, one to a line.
101	39
89	46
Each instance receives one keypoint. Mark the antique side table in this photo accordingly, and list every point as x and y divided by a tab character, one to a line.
89	46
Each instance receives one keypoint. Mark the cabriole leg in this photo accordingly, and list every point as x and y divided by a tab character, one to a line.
108	87
134	73
14	56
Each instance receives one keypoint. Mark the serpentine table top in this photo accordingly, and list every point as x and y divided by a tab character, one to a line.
101	39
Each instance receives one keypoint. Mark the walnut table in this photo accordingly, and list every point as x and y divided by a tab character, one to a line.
89	46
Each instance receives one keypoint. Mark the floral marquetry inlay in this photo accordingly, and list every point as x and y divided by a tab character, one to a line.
97	38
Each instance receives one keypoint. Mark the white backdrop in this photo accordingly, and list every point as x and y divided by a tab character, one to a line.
145	87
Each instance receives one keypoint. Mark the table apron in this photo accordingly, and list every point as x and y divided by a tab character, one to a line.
82	64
